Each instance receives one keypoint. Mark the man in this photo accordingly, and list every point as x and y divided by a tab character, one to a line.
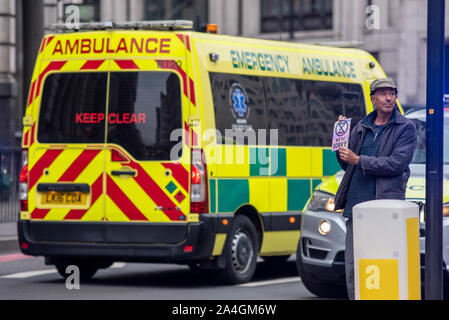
376	162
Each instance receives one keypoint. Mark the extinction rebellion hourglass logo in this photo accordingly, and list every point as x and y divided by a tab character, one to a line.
341	128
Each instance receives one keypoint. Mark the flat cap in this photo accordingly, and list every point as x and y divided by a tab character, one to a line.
382	83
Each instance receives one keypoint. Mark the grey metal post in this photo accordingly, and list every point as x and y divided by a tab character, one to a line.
434	150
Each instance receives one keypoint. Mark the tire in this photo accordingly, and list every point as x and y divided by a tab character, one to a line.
323	289
87	269
240	251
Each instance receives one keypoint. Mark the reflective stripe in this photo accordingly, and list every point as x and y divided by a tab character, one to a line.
31	137
191	136
44	162
39	213
71	174
31	94
97	191
156	194
25	137
127	64
45	43
80	163
122	201
92	64
185	41
179	173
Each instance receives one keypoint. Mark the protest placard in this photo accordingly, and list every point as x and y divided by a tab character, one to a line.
341	134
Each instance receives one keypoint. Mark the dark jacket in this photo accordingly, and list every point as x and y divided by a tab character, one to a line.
397	145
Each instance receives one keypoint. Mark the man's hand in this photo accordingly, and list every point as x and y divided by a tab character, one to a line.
348	156
345	154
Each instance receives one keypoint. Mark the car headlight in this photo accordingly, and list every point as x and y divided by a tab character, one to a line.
322	201
446	209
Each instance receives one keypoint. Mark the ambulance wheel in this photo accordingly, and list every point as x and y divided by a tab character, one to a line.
87	269
240	251
323	289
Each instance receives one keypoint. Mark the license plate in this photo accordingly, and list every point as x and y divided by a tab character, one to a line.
67	198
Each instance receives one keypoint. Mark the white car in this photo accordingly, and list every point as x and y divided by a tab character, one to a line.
320	253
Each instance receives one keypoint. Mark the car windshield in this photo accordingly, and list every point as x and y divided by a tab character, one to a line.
420	153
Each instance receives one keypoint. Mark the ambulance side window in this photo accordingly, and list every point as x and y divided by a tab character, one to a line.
144	109
326	101
73	108
239	107
287	110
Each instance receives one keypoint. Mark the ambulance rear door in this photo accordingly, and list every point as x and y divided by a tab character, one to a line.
66	147
147	157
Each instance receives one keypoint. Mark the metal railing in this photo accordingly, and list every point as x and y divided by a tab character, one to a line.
10	166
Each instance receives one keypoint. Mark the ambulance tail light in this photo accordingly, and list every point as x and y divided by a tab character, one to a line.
23	182
199	198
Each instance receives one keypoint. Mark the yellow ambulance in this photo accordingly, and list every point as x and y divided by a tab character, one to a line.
146	141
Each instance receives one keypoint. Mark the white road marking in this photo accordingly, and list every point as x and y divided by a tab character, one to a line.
29	274
36	273
8	238
118	265
270	282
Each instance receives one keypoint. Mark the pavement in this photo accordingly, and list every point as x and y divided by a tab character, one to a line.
8	237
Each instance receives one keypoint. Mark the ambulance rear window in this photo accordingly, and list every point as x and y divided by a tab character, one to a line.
67	98
144	111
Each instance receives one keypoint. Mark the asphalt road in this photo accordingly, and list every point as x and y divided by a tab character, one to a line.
23	277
